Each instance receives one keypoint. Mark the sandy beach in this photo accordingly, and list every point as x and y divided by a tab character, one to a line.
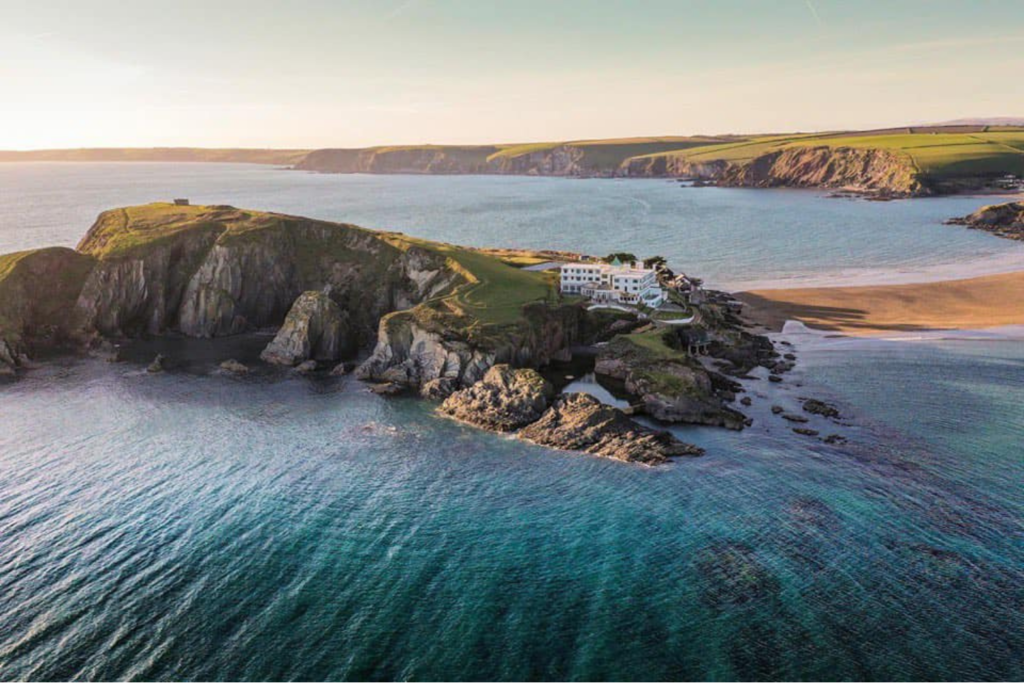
973	303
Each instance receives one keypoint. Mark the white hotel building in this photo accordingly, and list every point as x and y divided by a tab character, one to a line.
612	283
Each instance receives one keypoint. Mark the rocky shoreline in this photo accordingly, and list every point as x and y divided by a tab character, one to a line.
165	272
1002	220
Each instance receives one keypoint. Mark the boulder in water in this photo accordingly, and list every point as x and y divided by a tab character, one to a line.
157	365
314	329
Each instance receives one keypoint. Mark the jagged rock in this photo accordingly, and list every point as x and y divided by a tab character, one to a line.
339	370
835	439
157	365
816	407
314	329
503	401
669	390
794	418
438	388
412	352
234	367
805	431
778	410
305	367
774	378
8	359
746	401
579	422
789	356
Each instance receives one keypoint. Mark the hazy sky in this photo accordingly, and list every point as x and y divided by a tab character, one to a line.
310	73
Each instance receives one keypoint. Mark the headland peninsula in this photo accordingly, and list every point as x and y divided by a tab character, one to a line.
472	329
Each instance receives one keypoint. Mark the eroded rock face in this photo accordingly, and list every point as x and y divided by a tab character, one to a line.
579	422
412	354
503	401
868	170
224	271
314	329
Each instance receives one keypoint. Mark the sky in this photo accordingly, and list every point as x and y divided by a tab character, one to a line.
351	73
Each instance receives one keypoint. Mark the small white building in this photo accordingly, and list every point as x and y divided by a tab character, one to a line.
612	283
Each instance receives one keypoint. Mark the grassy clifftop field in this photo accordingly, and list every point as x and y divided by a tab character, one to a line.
940	152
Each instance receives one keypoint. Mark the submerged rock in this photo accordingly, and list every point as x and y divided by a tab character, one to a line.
503	401
794	418
157	365
579	422
816	407
734	576
314	329
305	367
234	367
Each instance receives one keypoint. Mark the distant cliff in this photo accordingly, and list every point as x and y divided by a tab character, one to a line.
896	162
865	170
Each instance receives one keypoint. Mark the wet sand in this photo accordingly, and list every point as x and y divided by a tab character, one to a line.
974	303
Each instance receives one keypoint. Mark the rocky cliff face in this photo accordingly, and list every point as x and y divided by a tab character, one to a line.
38	290
564	160
866	170
415	351
227	271
433	160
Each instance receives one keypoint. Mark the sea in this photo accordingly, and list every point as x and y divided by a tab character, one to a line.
195	526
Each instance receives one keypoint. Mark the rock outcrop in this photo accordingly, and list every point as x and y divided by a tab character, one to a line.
314	329
505	400
579	422
419	346
1002	220
671	388
864	170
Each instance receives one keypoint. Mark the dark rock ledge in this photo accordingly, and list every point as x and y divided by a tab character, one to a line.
508	399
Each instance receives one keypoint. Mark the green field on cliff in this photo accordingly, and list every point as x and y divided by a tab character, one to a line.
933	151
495	292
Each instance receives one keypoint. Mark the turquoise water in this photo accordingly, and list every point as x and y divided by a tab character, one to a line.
195	526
